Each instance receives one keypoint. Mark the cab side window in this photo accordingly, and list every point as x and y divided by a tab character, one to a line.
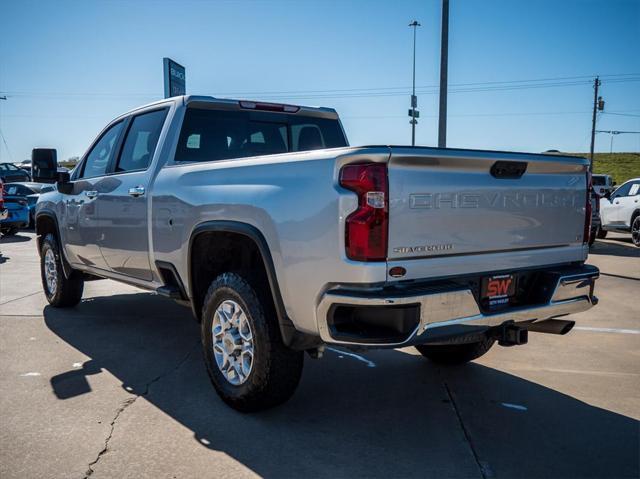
141	141
101	154
623	190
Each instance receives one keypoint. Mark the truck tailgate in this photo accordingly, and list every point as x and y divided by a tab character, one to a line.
461	202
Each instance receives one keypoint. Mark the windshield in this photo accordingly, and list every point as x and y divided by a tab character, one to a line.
599	180
218	135
8	167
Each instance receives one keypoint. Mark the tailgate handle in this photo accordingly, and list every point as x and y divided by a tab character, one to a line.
509	170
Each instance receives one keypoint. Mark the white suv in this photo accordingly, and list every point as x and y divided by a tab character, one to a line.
620	211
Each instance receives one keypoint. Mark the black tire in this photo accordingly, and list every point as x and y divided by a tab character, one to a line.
10	231
602	234
67	291
455	353
635	231
276	369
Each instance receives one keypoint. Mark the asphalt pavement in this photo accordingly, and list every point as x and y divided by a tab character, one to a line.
116	388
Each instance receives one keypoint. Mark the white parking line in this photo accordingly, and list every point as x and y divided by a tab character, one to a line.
370	364
608	330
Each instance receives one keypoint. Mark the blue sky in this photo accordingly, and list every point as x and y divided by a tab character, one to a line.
67	68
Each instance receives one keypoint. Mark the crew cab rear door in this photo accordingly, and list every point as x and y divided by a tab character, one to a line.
465	202
123	208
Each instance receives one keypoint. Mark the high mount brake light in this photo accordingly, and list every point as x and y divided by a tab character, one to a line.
587	210
253	105
366	229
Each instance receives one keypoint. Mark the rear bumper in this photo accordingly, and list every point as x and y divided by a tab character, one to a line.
438	312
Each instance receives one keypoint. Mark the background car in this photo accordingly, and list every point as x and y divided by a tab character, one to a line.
602	184
17	214
3	211
620	211
10	173
31	191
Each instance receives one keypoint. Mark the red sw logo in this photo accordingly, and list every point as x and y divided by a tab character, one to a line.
498	287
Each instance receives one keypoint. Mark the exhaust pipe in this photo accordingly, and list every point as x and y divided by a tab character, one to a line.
550	326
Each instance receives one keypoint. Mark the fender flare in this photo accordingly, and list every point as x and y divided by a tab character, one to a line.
66	267
290	335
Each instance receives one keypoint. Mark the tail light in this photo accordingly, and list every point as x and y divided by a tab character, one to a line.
587	210
366	229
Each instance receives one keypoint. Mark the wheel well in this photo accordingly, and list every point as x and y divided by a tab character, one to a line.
45	224
217	252
633	216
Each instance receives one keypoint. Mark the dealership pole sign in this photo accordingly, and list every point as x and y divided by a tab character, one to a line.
175	83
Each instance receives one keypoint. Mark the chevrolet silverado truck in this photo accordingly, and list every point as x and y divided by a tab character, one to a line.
283	239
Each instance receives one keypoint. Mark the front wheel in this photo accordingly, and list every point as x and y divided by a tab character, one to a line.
635	231
451	354
249	365
61	292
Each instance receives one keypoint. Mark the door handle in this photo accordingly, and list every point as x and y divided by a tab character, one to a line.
91	194
136	191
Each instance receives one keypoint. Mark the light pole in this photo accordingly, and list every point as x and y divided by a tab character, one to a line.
598	105
444	68
613	133
413	112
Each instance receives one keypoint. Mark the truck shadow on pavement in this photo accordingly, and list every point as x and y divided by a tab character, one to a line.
402	418
615	249
18	238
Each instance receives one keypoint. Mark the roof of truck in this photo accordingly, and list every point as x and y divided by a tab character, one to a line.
204	101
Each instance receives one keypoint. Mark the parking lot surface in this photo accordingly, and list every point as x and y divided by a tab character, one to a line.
116	387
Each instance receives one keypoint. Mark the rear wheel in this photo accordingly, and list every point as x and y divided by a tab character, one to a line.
61	292
635	231
249	365
455	353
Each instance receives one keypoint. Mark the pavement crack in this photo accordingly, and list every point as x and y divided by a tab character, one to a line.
483	466
104	450
128	402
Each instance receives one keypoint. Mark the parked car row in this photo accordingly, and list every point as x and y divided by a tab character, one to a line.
10	173
17	207
620	211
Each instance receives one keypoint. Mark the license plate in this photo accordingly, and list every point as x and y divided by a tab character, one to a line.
497	290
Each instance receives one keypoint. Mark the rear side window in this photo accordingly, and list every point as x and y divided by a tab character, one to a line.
141	141
100	155
209	135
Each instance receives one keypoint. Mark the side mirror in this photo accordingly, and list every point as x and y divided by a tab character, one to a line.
63	182
44	164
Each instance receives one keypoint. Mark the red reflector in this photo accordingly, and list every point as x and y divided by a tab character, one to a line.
252	105
366	229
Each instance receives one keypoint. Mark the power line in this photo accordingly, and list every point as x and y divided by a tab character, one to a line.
620	114
378	91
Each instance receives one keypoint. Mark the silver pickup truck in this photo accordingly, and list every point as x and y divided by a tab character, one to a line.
283	239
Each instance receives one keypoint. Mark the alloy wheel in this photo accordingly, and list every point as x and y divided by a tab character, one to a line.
232	342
